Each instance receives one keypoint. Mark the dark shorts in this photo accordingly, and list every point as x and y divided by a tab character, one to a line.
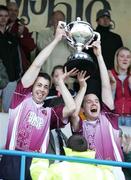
10	168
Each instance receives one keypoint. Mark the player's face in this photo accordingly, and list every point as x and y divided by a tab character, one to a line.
40	89
91	106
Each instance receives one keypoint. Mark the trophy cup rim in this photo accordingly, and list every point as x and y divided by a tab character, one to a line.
79	21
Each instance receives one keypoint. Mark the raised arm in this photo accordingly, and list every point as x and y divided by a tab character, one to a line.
107	97
70	106
112	82
79	99
31	74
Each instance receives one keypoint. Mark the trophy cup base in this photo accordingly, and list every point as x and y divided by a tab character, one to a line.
82	62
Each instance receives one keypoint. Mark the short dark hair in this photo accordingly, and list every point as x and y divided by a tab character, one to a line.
52	16
46	76
58	11
3	8
77	143
56	67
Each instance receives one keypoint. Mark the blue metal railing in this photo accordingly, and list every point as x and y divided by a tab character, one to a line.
61	158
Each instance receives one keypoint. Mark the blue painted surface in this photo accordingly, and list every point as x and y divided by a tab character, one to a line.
61	158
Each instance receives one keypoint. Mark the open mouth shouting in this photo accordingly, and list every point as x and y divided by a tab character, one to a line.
94	110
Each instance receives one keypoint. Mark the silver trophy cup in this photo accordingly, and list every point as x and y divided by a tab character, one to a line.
79	35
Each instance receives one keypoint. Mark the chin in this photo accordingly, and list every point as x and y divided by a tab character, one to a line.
93	117
38	101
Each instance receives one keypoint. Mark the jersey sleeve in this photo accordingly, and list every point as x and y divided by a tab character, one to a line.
57	119
19	94
111	116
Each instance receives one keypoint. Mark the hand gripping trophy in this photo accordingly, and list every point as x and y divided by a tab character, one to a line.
79	35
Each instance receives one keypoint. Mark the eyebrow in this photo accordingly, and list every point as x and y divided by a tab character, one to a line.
91	99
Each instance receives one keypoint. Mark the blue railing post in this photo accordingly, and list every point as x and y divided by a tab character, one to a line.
22	169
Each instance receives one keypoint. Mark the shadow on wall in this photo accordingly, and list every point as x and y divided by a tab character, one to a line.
3	129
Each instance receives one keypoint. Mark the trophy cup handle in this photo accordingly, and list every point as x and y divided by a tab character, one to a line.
63	25
98	36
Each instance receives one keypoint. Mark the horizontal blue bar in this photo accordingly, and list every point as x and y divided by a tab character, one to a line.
66	158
